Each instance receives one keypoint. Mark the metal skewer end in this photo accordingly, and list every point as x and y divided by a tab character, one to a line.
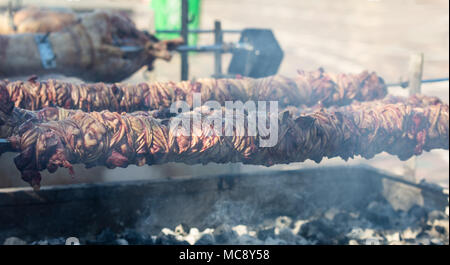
5	146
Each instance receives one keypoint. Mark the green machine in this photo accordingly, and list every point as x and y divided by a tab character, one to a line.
256	54
168	17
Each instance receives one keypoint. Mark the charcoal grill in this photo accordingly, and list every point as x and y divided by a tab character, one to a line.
86	209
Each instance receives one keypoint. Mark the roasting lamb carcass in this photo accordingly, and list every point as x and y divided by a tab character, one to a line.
93	48
36	20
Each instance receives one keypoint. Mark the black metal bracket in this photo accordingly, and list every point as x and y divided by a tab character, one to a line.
257	54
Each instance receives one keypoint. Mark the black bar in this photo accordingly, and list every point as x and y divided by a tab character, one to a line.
218	40
231	254
184	35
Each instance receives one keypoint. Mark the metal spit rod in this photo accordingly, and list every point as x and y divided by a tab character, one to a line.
406	83
218	39
216	48
184	35
200	31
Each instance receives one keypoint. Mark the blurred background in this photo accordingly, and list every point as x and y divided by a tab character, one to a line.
346	36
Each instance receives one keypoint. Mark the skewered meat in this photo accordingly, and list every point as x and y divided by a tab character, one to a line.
306	88
416	100
91	49
10	123
118	140
12	117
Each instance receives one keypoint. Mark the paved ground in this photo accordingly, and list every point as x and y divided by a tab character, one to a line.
341	36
